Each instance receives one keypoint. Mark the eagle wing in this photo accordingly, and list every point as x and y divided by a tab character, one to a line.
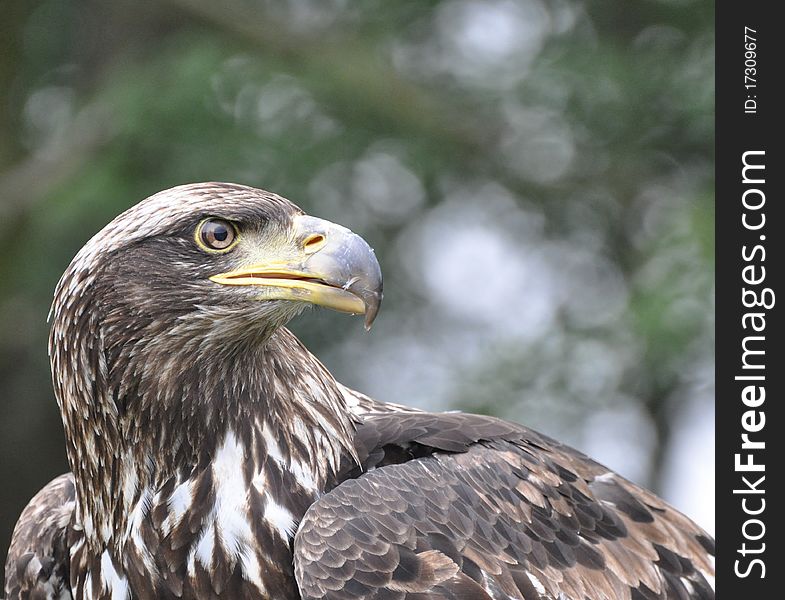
37	566
462	506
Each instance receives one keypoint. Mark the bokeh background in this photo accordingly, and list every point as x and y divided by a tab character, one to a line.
535	175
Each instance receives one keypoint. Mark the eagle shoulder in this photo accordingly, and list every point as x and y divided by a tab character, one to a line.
452	505
37	566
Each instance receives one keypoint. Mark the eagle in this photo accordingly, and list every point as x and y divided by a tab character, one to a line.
213	456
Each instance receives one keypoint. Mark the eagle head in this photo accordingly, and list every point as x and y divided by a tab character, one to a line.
213	263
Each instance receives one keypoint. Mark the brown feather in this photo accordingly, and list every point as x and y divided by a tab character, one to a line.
213	456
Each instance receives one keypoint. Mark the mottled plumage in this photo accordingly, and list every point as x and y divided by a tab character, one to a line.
454	505
212	456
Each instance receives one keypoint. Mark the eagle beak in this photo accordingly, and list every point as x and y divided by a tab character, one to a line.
328	266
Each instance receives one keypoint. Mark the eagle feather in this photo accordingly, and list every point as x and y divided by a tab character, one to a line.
213	456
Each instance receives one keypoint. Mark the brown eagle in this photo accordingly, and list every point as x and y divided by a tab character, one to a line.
212	456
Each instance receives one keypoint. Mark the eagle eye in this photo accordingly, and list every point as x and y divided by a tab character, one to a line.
216	235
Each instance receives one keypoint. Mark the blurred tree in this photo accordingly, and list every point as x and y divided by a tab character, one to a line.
537	179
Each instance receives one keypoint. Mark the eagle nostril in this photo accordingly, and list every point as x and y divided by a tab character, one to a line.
314	242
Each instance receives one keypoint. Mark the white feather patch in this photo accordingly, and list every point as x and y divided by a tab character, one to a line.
180	501
113	582
536	583
304	476
231	496
135	522
279	517
273	449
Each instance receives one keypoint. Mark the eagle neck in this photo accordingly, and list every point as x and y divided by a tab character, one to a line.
147	411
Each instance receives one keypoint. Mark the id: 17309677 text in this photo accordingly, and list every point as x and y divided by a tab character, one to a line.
751	70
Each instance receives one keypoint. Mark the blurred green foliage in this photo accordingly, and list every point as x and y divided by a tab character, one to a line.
536	178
